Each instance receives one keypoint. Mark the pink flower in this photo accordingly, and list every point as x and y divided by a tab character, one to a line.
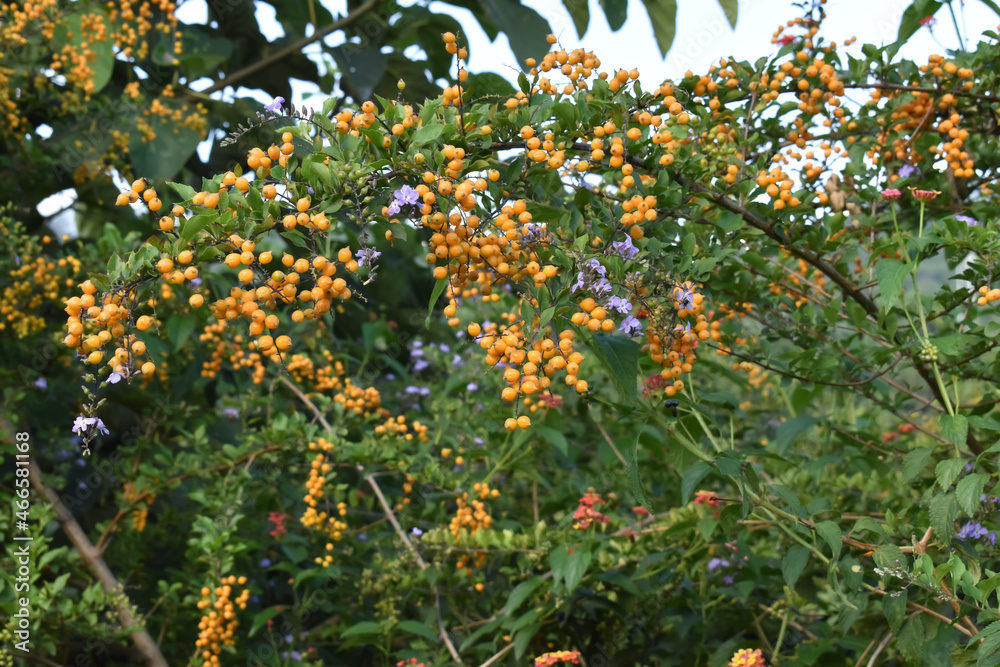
928	20
706	498
891	194
747	658
924	195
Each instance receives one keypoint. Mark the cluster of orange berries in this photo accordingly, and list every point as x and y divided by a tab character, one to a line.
674	349
407	490
139	515
778	186
397	426
472	517
218	626
29	285
110	319
318	470
987	295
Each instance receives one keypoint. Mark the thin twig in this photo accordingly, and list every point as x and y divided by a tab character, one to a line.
504	651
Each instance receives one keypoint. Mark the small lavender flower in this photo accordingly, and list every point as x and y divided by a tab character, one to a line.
115	377
17	260
625	248
533	232
972	531
471	387
419	365
620	304
232	413
728	580
630	326
908	170
717	563
196	281
310	190
367	256
478	441
416	532
82	424
362	537
275	105
970	221
444	348
457	360
403	196
41	383
685	299
266	562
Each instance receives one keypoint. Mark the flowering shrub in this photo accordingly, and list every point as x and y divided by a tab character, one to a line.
589	369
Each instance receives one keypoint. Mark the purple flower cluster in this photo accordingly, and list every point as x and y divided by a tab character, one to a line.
620	304
405	196
367	256
83	424
908	170
630	326
593	278
973	530
625	248
969	220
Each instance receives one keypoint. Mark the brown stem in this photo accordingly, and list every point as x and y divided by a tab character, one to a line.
140	637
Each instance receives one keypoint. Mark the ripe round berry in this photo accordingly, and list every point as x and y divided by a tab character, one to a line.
144	322
302	204
196	300
510	424
524	421
148	368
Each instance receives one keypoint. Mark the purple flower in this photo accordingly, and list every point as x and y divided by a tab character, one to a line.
478	441
17	260
601	287
970	221
685	299
367	256
444	348
717	563
416	532
969	466
457	360
41	383
630	326
310	190
625	248
275	105
362	537
472	386
403	196
580	280
115	377
972	531
595	266
620	304
195	281
908	170
728	580
532	232
232	413
82	424
265	562
419	365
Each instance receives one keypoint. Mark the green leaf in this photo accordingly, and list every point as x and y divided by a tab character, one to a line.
180	328
794	563
943	510
635	484
891	274
183	190
729	516
557	562
579	11
418	628
523	638
556	437
521	593
947	472
576	567
363	628
791	430
663	16
956	429
911	641
692	477
989	3
489	83
731	8
915	462
104	58
427	134
791	499
616	11
438	288
911	22
621	357
525	28
830	532
197	223
894	608
261	618
164	156
969	490
201	52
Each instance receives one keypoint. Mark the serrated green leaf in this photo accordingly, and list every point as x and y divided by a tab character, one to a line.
943	510
956	429
794	563
830	532
947	472
969	490
915	462
521	593
891	274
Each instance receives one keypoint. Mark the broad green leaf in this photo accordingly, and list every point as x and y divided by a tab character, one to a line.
438	289
943	510
180	328
557	562
791	429
104	58
891	274
969	490
525	28
794	563
621	357
894	608
522	638
956	429
915	462
616	11
554	436
418	628
427	134
911	21
663	16
362	628
579	11
731	8
521	593
201	52
262	617
195	224
911	641
830	532
692	477
791	499
947	472
576	566
183	190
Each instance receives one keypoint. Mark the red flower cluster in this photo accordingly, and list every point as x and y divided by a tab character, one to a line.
557	656
585	512
412	662
278	519
706	498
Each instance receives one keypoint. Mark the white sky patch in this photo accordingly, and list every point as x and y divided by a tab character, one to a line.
268	21
192	12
